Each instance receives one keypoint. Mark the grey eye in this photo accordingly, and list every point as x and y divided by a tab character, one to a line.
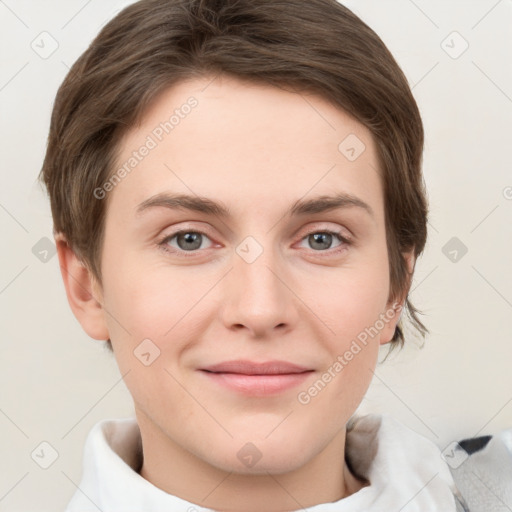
186	240
320	240
189	241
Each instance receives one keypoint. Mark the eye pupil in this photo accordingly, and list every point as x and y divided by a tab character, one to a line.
320	240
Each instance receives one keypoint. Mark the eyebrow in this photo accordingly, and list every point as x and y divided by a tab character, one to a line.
208	206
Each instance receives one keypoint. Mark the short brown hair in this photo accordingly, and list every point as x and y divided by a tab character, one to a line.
316	46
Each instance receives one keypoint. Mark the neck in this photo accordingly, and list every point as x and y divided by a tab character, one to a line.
325	478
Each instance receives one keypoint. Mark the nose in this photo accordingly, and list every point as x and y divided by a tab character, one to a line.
258	297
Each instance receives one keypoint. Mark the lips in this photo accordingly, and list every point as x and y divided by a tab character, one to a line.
256	379
253	368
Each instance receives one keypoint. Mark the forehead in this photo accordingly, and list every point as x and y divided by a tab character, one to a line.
243	142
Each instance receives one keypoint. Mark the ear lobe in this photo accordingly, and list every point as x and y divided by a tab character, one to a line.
392	317
411	262
82	290
395	309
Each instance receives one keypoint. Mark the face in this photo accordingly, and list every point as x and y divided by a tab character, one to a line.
244	257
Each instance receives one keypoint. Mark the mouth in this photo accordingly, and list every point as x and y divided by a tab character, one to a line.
257	379
253	368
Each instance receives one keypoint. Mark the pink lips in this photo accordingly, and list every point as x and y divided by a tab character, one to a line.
257	379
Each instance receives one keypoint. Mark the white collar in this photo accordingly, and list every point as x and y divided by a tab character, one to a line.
405	470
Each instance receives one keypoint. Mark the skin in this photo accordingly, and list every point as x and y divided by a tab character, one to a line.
256	149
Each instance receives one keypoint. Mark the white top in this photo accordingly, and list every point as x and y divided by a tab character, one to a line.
406	472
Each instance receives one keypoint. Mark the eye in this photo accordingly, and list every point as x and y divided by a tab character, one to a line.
323	240
187	241
191	241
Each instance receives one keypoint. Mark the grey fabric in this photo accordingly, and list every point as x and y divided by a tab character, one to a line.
461	504
484	475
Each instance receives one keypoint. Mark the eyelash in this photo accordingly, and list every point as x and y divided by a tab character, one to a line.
163	244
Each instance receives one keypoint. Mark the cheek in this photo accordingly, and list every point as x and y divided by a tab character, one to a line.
351	298
156	311
358	296
149	330
147	300
356	376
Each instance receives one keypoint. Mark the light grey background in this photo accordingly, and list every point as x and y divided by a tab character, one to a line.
56	383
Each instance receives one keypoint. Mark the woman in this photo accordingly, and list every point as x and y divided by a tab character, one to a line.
238	207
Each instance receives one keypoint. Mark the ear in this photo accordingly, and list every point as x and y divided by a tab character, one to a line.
83	292
394	309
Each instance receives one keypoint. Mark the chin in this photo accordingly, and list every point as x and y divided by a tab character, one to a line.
258	457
